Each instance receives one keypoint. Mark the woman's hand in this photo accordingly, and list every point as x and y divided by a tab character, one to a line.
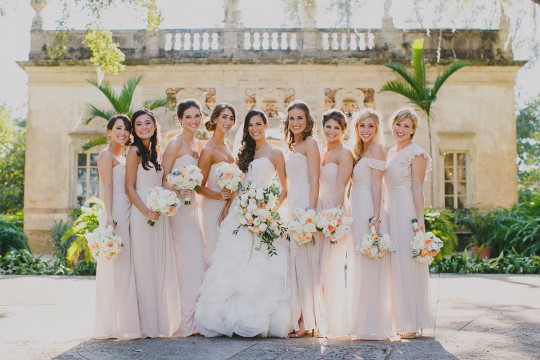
185	193
375	222
152	215
226	194
110	222
421	226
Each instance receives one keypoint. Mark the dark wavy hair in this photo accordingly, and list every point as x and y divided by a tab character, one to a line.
147	155
218	109
127	125
308	131
336	115
246	154
187	104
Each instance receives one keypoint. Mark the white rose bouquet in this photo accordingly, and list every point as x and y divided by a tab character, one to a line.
425	246
336	224
257	211
375	245
304	224
229	177
104	243
162	201
187	177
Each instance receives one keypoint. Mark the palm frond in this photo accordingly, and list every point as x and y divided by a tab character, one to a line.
126	95
419	66
93	112
448	71
407	76
155	104
405	90
96	141
107	90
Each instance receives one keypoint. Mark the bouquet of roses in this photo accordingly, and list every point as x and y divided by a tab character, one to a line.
425	246
336	224
304	224
229	177
258	211
375	245
162	201
104	243
187	177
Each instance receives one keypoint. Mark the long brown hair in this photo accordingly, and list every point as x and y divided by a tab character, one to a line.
218	109
310	123
247	151
147	155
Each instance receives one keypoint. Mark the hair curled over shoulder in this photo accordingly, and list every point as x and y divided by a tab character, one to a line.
187	104
210	125
127	125
360	116
404	113
246	154
336	115
310	123
147	155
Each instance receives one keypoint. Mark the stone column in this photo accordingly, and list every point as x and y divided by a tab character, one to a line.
37	38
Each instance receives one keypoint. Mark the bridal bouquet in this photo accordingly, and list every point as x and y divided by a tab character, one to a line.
336	224
304	224
258	211
375	245
162	201
229	177
187	177
425	246
104	243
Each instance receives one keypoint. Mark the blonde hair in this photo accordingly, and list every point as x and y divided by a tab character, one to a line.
404	113
359	145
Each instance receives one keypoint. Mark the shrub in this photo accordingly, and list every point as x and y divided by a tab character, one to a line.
11	237
442	224
21	262
510	263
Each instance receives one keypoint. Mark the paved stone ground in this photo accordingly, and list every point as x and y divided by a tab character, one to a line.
477	317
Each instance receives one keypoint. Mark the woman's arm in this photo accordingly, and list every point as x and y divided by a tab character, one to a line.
279	162
345	166
418	166
105	163
132	164
314	168
167	162
205	162
378	153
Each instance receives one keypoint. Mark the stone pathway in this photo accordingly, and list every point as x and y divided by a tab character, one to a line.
477	317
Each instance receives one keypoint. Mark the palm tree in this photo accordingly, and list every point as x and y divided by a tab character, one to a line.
415	87
121	104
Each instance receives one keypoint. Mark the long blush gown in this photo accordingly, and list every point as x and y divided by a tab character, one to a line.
246	291
210	211
189	250
306	297
370	306
333	261
117	314
155	265
410	279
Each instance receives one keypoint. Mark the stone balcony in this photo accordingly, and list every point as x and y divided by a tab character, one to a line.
281	44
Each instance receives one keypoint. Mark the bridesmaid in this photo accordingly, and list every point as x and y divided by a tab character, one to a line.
183	149
216	152
116	299
337	164
369	285
406	169
152	246
303	167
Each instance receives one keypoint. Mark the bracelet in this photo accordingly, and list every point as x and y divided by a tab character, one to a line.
375	218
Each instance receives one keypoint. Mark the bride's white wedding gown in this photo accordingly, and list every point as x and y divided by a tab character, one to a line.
244	291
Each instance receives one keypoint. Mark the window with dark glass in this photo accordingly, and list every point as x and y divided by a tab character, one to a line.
455	180
87	177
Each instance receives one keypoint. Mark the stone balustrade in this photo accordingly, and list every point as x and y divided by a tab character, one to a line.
253	44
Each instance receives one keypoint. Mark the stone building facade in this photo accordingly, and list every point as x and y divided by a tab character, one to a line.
474	133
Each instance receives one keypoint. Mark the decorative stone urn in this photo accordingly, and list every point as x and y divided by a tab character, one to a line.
38	6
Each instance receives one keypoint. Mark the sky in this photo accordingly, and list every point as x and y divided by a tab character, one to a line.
15	31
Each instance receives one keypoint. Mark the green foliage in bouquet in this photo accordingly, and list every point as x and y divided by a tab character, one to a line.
442	224
87	222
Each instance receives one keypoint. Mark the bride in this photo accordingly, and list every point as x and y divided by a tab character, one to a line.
246	292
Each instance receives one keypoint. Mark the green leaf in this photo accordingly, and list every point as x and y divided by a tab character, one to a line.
96	141
448	71
155	104
93	112
407	76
